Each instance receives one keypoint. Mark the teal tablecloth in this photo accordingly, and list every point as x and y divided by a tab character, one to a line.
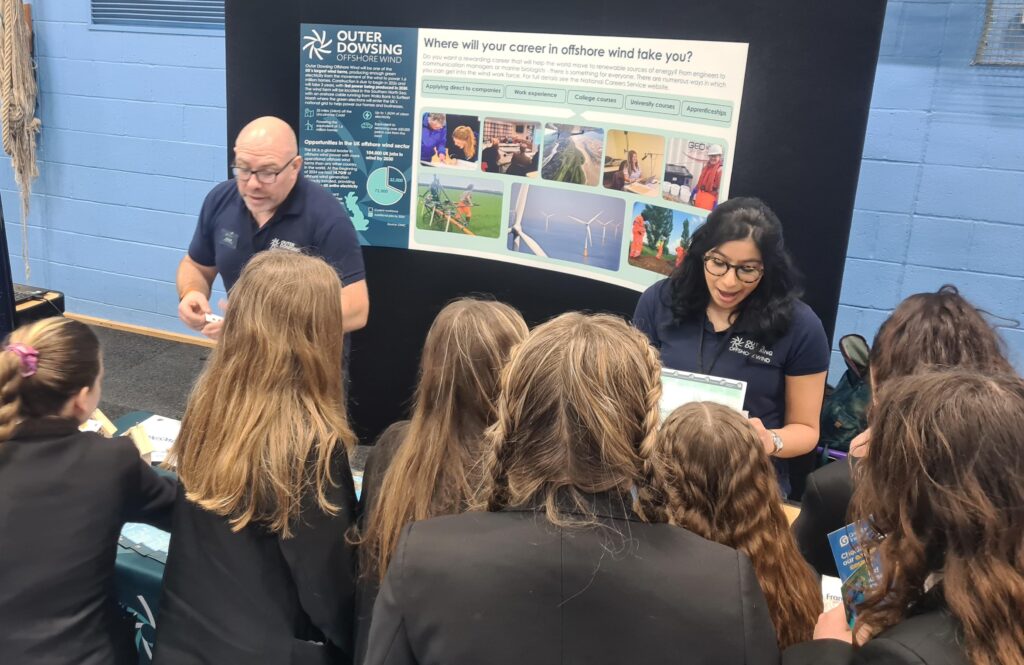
137	577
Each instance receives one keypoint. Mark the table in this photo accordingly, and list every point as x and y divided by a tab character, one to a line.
49	304
643	189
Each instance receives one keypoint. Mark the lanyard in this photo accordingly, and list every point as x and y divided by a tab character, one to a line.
718	352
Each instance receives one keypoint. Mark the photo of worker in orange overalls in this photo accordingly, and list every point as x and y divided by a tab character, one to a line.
705	194
465	204
680	254
639	231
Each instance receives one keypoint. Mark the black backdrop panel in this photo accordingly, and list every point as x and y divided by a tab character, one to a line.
810	69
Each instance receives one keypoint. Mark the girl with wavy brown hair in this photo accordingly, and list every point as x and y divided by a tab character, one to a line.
556	566
429	465
259	567
925	331
942	493
711	475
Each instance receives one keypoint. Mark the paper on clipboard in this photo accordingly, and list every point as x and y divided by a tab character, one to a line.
678	388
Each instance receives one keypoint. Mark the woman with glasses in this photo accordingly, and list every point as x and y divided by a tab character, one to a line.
732	309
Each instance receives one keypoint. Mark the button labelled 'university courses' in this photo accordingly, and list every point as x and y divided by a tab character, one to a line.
610	100
553	95
707	111
652	104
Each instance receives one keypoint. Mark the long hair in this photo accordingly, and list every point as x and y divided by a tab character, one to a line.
940	329
578	403
710	474
764	314
265	416
68	360
464	133
434	472
943	494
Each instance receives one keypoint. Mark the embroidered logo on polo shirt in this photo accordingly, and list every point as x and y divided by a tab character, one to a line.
228	238
277	243
751	349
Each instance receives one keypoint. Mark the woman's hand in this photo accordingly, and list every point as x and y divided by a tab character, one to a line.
832	625
764	435
859	444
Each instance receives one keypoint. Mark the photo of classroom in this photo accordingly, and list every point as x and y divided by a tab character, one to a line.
634	162
511	147
694	172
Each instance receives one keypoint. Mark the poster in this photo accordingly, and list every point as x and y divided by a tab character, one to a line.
595	156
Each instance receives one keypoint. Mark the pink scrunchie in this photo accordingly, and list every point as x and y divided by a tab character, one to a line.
28	358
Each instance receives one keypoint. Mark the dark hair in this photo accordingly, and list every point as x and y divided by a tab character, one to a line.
942	493
765	314
940	329
69	360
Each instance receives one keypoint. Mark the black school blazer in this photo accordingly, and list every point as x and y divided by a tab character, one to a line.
931	638
510	588
823	509
64	496
253	597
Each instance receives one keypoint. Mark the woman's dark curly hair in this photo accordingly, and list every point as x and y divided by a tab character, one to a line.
765	314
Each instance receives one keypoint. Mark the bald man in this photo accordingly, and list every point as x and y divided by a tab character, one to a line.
268	205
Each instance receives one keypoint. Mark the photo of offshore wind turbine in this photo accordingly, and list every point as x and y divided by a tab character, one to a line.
515	231
558	224
604	228
588	240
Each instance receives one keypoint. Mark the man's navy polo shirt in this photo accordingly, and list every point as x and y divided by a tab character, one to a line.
309	219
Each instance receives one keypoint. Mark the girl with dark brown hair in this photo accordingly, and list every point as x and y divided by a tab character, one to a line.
711	475
926	331
943	494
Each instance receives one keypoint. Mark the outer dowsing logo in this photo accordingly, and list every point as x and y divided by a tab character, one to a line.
317	44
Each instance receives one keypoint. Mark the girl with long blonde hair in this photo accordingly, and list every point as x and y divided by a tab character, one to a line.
429	465
465	140
711	475
64	497
942	496
556	566
259	563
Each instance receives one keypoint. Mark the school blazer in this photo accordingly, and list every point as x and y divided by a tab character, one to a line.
823	509
510	588
931	638
254	597
64	496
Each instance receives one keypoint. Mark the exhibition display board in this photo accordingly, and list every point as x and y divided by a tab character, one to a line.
595	156
789	124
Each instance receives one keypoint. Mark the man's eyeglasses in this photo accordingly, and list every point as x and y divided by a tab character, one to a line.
747	274
265	176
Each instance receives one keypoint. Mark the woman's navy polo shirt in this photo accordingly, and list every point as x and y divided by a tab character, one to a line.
310	219
802	350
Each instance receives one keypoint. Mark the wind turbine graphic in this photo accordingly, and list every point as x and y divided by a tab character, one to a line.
588	239
516	232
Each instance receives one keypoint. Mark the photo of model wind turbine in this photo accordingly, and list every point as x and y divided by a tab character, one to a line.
515	231
588	239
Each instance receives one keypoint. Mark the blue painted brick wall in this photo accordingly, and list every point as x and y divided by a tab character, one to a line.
941	192
134	134
133	137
